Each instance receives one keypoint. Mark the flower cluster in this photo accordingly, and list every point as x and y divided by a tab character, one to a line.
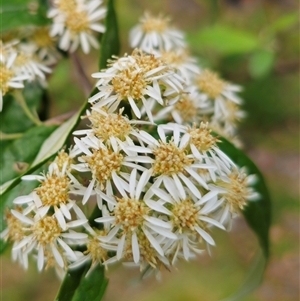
19	63
149	161
208	98
75	21
33	51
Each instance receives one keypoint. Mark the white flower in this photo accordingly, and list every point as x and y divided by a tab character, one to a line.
110	127
44	236
154	33
169	158
10	78
138	232
53	193
190	108
222	96
29	64
75	21
179	59
235	189
107	164
203	145
45	44
139	79
188	216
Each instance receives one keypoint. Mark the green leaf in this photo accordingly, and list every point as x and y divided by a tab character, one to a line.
261	63
23	150
110	43
79	287
19	13
70	284
258	216
13	118
47	148
224	39
284	22
92	288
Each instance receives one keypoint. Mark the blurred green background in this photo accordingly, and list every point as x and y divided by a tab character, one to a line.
254	43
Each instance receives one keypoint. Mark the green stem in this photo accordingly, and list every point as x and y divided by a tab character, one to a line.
12	136
21	101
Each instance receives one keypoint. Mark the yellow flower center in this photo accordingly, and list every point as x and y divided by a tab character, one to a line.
111	125
145	61
16	232
185	215
97	253
42	38
46	230
186	108
54	190
129	213
169	159
237	190
5	77
62	158
129	82
66	6
77	21
173	57
103	162
158	24
210	83
202	138
21	60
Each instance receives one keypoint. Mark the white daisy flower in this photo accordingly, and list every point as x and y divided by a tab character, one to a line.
52	193
14	233
190	108
10	77
235	189
44	236
169	158
179	59
107	164
188	216
46	45
75	22
139	79
203	145
27	62
96	251
110	127
155	33
131	222
217	91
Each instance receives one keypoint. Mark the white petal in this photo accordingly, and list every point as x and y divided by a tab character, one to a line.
135	248
57	256
68	250
205	235
21	217
40	259
121	247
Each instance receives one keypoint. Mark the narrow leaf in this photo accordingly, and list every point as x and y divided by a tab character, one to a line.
110	43
70	284
92	287
22	152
